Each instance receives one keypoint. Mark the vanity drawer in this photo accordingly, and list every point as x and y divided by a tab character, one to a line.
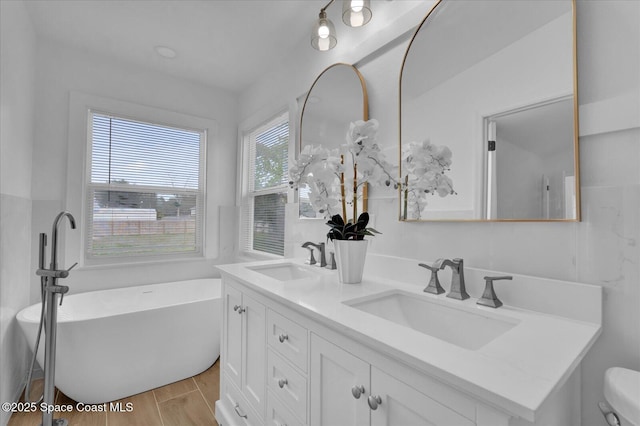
288	339
278	414
240	409
290	386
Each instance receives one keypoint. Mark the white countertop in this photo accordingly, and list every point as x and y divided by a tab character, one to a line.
516	371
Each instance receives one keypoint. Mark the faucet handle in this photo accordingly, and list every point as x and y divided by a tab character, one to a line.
332	261
312	260
489	297
434	286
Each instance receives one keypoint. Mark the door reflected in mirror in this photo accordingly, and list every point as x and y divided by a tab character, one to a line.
494	82
530	143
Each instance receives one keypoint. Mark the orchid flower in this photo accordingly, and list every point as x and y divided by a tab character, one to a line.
423	165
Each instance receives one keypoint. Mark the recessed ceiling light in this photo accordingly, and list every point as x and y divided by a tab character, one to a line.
166	52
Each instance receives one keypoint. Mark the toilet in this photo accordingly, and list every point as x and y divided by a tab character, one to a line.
622	392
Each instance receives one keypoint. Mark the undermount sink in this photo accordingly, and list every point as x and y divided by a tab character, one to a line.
284	271
460	327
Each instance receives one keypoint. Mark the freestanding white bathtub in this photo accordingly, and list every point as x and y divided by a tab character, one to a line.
116	343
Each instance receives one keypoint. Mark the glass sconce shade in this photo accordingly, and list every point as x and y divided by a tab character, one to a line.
356	13
323	36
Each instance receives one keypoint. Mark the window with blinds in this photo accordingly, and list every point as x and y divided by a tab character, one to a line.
266	187
144	192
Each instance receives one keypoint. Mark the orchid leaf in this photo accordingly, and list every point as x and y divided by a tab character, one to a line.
350	230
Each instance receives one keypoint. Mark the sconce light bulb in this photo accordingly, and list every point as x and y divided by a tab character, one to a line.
356	20
323	30
357	5
324	44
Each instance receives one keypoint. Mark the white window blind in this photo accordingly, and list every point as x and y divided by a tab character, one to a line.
266	190
145	192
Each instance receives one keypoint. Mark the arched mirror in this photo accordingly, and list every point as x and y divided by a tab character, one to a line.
488	104
336	98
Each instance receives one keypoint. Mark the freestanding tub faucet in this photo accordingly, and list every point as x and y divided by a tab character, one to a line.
50	292
458	289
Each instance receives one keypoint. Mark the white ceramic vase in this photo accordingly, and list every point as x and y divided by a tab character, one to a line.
350	257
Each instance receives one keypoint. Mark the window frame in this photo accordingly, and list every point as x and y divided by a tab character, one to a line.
73	195
248	195
88	187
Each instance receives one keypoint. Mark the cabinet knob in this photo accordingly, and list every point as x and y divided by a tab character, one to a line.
237	408
282	382
356	391
283	337
374	401
239	309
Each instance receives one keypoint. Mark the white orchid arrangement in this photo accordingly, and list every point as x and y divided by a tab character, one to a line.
423	167
324	170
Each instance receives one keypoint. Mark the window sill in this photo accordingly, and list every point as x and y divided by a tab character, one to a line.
249	256
142	263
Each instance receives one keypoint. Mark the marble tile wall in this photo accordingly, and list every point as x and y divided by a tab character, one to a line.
15	244
608	253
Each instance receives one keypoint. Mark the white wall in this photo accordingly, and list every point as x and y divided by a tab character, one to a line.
62	70
603	249
17	107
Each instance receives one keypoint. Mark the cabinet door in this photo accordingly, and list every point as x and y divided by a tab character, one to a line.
334	372
232	335
403	405
254	353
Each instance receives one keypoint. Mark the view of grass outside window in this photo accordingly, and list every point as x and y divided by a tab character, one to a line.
267	190
145	191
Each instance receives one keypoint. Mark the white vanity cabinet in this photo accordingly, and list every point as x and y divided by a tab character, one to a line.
295	351
280	368
243	356
346	390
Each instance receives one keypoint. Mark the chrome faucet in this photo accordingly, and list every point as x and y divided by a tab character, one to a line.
457	290
53	270
54	236
319	246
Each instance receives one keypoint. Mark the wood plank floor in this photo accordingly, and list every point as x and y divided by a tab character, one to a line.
188	402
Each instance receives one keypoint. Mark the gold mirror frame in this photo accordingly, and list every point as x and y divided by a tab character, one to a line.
576	152
365	115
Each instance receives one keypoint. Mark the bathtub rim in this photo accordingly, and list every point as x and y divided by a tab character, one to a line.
35	308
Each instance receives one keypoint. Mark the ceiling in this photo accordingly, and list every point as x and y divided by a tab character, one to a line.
221	43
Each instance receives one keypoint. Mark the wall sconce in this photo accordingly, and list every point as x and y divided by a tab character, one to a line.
355	13
323	36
